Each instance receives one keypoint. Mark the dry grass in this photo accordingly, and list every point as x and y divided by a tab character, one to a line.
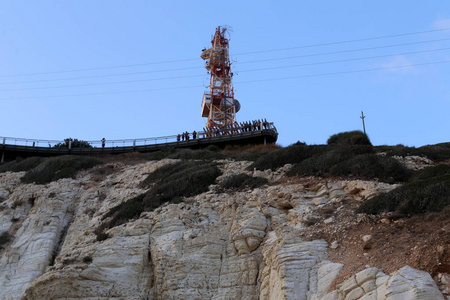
233	149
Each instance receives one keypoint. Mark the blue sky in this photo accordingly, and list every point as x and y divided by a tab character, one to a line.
131	69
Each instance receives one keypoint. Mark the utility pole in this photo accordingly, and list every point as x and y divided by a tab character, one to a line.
362	118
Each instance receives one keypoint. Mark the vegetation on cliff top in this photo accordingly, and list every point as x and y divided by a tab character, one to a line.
349	138
348	154
20	164
241	181
427	191
438	152
169	183
74	143
54	168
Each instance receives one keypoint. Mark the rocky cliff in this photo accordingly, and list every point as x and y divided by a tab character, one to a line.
239	244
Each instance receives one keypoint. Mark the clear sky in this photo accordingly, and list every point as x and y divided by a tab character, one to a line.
89	69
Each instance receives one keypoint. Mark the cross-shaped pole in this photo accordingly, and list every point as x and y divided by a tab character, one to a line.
362	118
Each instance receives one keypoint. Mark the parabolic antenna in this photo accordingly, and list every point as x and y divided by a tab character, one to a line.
237	105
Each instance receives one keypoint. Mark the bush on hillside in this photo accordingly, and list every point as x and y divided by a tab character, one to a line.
20	164
370	166
158	155
438	152
428	190
213	152
288	155
416	197
430	172
248	152
196	154
320	164
241	181
209	153
349	138
55	168
213	148
168	183
75	144
5	237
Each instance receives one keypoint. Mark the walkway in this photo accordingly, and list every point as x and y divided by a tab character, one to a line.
15	147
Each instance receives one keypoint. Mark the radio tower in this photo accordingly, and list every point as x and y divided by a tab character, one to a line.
218	104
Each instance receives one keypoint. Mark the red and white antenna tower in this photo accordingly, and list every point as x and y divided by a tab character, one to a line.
218	104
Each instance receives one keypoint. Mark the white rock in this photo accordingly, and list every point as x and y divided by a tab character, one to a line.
329	220
319	201
366	238
334	245
243	245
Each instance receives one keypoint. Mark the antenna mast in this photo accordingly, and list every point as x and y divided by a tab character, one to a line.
218	104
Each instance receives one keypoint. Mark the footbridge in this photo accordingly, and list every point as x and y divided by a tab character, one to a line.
11	148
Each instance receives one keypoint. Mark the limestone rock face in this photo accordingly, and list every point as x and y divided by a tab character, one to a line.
405	284
239	245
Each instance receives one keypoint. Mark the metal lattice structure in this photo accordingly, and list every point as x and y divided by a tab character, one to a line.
218	104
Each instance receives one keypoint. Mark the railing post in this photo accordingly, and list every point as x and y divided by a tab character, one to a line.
70	145
3	151
134	145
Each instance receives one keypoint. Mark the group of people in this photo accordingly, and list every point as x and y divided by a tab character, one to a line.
254	125
185	136
235	128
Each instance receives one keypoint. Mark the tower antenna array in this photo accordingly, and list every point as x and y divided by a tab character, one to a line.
218	104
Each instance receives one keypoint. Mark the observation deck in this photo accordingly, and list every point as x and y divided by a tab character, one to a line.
10	148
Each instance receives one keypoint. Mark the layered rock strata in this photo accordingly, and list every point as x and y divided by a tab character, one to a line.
217	245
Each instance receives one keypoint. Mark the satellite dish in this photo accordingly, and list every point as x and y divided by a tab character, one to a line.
237	105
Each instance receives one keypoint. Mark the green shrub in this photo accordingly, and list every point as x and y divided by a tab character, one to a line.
158	155
20	164
196	154
371	166
169	183
288	155
201	154
87	259
75	144
427	191
438	152
5	237
101	236
213	148
398	150
241	181
416	197
320	164
349	138
55	168
245	156
431	172
248	152
184	179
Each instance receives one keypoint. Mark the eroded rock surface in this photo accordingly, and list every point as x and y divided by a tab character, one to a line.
237	245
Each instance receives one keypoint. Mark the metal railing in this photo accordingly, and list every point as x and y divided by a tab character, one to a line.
54	144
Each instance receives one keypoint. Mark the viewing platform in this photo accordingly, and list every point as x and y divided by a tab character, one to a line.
10	148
